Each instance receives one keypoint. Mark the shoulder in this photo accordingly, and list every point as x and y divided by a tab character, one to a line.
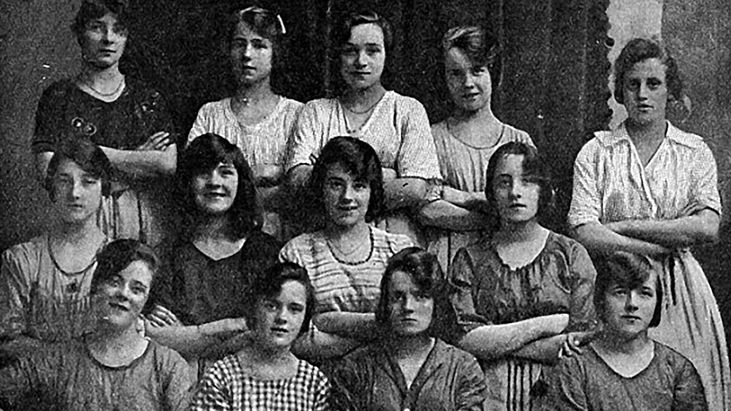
291	105
671	357
301	241
166	357
455	354
560	243
27	251
514	133
264	242
213	107
310	372
395	242
404	101
689	140
320	105
141	89
59	89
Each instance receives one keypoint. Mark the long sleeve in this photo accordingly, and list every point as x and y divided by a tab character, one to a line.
461	305
472	389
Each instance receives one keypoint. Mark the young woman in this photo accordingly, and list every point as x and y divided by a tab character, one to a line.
408	368
623	368
394	125
199	307
128	120
649	188
45	283
466	140
523	295
256	120
264	374
347	258
113	367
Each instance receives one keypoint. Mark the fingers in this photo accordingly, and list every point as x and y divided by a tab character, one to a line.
161	317
158	141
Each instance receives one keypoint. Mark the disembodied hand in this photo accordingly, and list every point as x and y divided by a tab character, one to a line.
158	141
162	317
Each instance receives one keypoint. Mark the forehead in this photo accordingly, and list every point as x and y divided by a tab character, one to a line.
369	33
511	164
69	166
402	282
648	68
137	271
292	292
244	31
456	58
338	170
108	18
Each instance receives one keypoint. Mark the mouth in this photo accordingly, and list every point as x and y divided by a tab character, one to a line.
470	96
279	330
631	317
216	194
119	306
517	206
361	73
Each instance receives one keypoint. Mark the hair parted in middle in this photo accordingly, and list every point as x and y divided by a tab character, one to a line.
118	255
479	45
87	155
201	156
264	22
360	160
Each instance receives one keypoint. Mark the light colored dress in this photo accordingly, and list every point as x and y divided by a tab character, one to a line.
586	382
66	377
484	290
610	184
226	386
463	167
262	144
398	130
38	299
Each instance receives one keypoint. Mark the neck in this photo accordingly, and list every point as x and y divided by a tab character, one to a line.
622	345
484	115
519	232
248	94
409	346
108	339
261	354
92	75
77	233
336	232
363	97
644	133
214	228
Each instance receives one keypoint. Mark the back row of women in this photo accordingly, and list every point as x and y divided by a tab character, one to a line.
366	177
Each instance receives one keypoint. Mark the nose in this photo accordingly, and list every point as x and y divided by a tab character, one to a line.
281	317
642	91
75	191
348	192
469	80
630	303
248	50
214	179
516	189
408	304
360	60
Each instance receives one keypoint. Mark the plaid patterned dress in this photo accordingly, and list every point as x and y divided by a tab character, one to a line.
225	386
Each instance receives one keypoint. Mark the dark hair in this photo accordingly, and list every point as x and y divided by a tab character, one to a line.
533	167
87	155
263	22
424	270
479	45
118	255
638	50
627	270
95	9
342	31
203	155
269	285
360	160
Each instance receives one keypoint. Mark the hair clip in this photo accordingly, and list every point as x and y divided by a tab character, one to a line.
259	10
281	24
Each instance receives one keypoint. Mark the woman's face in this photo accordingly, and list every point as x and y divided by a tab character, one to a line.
251	55
516	195
215	191
363	57
103	41
469	85
77	194
628	312
410	309
119	300
646	92
278	320
346	199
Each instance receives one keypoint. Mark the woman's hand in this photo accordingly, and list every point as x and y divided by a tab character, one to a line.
158	141
389	174
162	317
574	341
267	175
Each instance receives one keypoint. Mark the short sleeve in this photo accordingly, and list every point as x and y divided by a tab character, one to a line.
201	124
213	394
14	293
585	200
560	388
417	156
302	147
179	382
290	253
688	391
461	307
472	390
322	393
582	315
49	118
704	188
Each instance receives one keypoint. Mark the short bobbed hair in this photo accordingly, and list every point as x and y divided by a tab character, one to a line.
534	168
360	160
341	34
269	285
480	47
87	155
627	270
263	22
424	270
202	156
95	9
118	255
639	50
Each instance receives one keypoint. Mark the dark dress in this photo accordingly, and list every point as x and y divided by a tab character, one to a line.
483	290
137	208
369	379
586	382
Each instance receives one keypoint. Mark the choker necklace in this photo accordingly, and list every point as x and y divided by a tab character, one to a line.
116	90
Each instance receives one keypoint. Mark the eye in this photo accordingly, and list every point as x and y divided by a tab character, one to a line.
373	49
296	308
349	51
259	44
360	185
94	26
120	29
478	71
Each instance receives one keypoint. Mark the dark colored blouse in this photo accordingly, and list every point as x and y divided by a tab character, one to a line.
586	382
370	379
199	289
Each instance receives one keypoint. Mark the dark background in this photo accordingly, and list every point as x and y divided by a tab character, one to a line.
553	84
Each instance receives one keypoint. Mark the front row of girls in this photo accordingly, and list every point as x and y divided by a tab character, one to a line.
517	301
